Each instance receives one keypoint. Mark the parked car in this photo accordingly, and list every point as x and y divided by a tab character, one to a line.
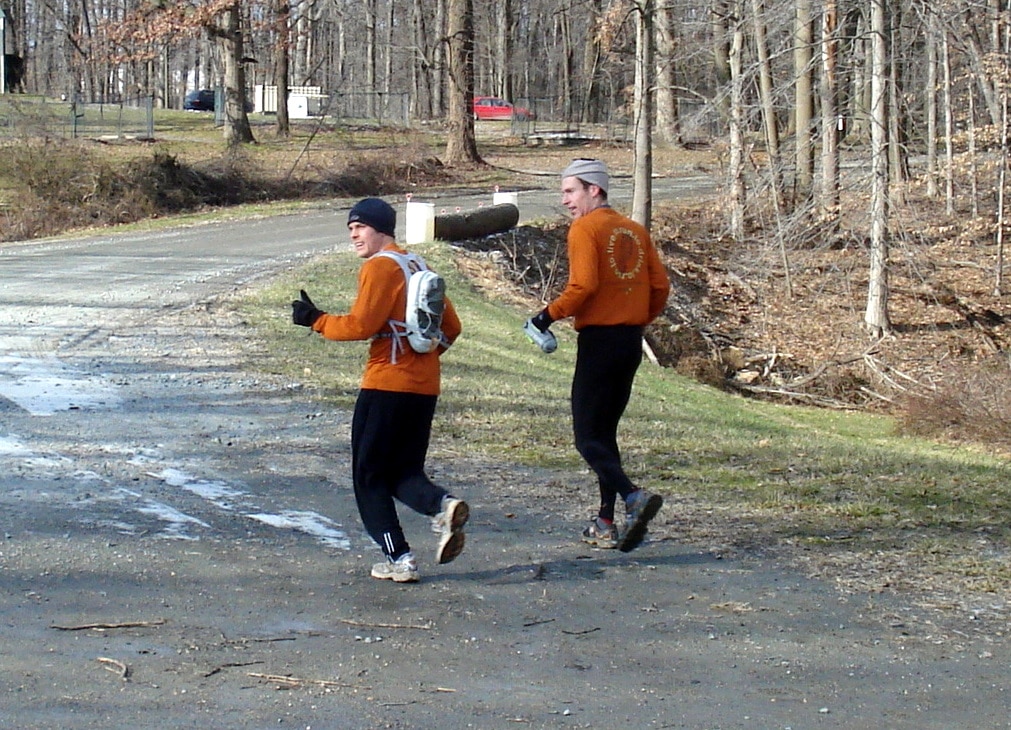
491	107
199	100
202	100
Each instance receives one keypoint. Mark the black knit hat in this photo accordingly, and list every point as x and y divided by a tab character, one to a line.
376	213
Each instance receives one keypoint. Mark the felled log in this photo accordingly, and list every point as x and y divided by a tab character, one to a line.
476	223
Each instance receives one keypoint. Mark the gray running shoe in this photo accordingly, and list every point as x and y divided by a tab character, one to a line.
449	525
402	570
601	535
640	507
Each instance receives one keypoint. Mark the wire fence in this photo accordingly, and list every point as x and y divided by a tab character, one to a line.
22	115
369	107
542	121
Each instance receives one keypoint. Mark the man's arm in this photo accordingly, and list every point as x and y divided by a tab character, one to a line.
373	305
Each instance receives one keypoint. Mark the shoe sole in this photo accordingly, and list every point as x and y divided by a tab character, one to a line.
450	547
636	532
601	543
397	577
451	543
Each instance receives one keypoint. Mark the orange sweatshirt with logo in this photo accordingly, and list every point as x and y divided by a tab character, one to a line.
615	274
382	296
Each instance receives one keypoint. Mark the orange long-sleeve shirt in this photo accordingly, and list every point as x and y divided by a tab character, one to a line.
615	274
382	296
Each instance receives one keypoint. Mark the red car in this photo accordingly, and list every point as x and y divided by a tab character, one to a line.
491	107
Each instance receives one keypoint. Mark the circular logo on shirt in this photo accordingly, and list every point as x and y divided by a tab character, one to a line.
625	253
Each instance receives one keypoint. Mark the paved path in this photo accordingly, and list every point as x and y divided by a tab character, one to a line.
199	519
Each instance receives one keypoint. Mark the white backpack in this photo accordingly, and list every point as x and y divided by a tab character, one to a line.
426	291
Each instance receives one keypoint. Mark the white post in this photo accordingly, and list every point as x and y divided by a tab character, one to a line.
3	52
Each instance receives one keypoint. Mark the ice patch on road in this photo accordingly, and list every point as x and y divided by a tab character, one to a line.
44	387
214	492
228	498
82	489
177	521
311	523
10	446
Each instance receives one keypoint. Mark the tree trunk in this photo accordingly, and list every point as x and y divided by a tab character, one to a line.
896	142
461	145
973	154
735	168
829	198
503	49
803	103
667	123
421	67
282	128
720	24
229	37
876	318
949	129
998	283
642	192
565	70
391	6
765	91
589	112
439	62
978	62
370	57
930	104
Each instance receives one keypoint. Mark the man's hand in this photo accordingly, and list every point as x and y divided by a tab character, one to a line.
536	328
542	320
304	312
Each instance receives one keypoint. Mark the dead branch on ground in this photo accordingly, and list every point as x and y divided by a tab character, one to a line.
104	626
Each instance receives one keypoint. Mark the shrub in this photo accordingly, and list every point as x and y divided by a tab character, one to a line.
973	403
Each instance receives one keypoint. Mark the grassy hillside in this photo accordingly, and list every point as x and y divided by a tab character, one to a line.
838	491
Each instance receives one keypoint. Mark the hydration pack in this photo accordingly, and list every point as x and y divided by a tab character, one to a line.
426	291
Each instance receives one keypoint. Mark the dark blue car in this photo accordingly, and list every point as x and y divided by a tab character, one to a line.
201	100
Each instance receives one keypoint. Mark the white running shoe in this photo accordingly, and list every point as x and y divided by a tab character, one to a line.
402	570
449	526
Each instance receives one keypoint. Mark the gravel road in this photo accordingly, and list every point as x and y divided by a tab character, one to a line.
181	550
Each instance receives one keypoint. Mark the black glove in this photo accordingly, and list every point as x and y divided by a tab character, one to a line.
542	321
304	312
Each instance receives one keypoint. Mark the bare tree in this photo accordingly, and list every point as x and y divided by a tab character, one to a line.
949	129
227	31
642	191
770	123
461	145
803	102
930	102
281	58
735	168
876	318
829	197
665	100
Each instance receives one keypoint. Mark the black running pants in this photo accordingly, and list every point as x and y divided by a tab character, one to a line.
606	362
389	443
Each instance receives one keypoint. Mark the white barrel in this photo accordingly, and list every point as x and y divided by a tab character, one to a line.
420	223
500	198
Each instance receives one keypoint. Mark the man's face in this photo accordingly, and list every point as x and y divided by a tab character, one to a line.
578	198
367	241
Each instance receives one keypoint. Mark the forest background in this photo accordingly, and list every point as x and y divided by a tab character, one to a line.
853	257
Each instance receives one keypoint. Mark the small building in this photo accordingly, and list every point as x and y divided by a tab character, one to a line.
303	101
